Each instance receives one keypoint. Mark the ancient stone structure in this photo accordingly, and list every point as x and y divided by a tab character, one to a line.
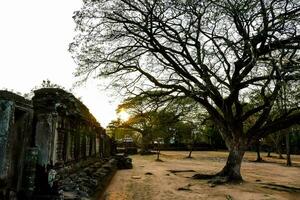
66	127
47	140
16	139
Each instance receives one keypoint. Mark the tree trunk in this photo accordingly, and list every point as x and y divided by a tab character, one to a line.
145	145
258	158
158	152
190	150
231	172
190	153
288	156
269	152
232	169
279	151
278	142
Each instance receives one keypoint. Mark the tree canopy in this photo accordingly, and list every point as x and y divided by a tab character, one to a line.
155	118
214	52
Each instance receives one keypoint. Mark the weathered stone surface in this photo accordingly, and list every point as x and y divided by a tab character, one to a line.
84	185
65	136
66	130
6	109
123	162
15	137
51	147
30	170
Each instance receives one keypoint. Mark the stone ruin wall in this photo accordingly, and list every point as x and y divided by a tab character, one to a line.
16	115
54	131
67	128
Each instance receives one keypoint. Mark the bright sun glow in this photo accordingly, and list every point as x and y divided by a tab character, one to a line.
124	116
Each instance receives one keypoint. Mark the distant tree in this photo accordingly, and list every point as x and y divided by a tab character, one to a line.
115	130
194	124
257	145
275	142
288	98
188	130
147	117
211	51
295	140
165	118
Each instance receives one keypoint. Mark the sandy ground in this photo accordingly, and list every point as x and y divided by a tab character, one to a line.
152	180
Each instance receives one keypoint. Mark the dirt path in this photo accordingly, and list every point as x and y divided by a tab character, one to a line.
151	180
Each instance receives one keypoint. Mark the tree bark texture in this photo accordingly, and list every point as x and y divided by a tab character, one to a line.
232	169
190	154
158	151
279	151
258	158
288	151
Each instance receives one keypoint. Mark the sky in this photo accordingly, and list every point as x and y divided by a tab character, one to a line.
34	39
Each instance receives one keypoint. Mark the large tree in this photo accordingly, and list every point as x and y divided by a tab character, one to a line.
212	51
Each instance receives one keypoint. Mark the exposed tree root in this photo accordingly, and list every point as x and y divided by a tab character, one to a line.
178	171
187	187
218	179
203	176
279	187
